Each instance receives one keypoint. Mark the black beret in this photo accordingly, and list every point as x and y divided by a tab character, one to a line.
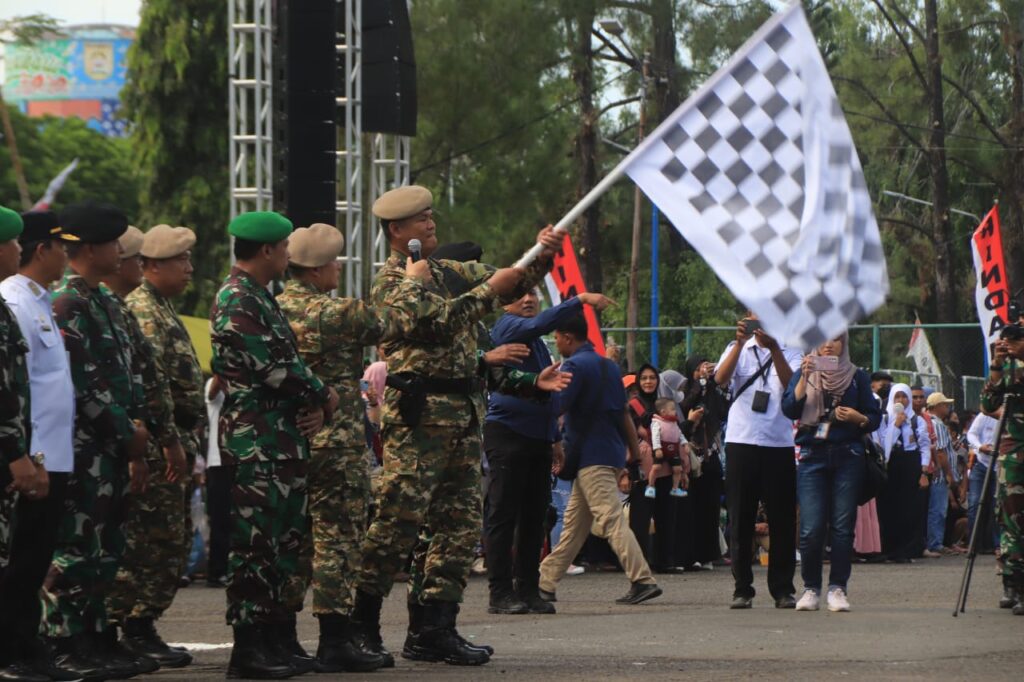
92	223
40	226
459	251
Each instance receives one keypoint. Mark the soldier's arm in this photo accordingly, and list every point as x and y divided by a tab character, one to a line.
503	379
534	275
268	353
994	389
155	387
93	394
13	434
435	315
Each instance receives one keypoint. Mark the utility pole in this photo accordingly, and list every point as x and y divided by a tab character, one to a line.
633	303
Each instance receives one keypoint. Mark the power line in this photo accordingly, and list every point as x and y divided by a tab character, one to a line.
948	133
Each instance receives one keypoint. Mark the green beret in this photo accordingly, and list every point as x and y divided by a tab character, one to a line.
11	224
266	227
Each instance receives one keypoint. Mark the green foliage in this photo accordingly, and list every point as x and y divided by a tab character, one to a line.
176	99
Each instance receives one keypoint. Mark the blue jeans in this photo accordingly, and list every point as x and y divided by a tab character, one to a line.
559	498
828	481
938	503
974	484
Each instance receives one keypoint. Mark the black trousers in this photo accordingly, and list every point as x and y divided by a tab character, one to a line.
518	496
753	474
218	513
900	507
662	508
33	539
706	495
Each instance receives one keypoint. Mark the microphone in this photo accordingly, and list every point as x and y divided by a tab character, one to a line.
898	409
414	249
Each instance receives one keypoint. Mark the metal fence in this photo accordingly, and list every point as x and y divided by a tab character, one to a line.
959	349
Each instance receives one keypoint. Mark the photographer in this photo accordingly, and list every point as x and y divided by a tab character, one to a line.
759	459
704	406
836	408
1005	388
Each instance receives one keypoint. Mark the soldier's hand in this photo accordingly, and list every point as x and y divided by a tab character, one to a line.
177	465
550	240
42	483
331	407
509	352
137	445
552	380
310	422
24	476
138	476
557	458
505	280
599	301
419	270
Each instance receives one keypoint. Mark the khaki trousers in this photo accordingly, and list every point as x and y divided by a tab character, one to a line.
594	505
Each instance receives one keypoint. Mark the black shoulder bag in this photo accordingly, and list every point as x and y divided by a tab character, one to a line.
762	373
571	465
875	474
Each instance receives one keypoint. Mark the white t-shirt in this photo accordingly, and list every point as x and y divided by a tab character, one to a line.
771	428
212	416
982	432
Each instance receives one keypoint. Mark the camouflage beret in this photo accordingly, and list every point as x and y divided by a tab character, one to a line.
316	245
266	227
403	202
11	224
131	242
164	241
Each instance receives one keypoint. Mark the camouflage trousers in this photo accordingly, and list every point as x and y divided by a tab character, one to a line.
7	502
158	538
1011	515
89	545
268	523
339	500
431	478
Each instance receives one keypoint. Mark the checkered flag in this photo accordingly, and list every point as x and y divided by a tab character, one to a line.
758	172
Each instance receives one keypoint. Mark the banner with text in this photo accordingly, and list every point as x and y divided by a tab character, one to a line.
992	292
565	281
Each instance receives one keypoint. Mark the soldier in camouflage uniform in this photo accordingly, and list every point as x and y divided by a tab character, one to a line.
110	446
1005	388
431	434
273	404
157	528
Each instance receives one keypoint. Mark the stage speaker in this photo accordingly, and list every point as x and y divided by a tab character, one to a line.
305	113
389	69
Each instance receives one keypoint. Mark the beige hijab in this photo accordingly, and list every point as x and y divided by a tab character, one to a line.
824	388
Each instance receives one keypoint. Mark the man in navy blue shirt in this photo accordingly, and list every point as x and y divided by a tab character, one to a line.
521	439
599	430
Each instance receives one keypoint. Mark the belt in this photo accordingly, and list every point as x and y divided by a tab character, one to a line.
407	381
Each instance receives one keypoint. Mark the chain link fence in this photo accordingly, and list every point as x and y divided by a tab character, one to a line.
958	349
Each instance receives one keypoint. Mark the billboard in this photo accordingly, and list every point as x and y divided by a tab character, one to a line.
76	68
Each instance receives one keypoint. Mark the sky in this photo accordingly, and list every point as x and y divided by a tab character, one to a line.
76	11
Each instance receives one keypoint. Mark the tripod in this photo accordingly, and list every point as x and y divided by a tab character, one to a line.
979	519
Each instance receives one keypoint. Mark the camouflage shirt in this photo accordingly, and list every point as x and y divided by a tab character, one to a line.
444	344
108	385
15	413
1008	392
173	354
256	353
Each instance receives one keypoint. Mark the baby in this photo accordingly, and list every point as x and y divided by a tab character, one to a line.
668	444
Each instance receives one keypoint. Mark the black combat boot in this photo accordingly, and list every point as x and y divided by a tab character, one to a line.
119	661
1011	596
503	600
284	637
252	657
339	651
73	655
39	652
530	595
411	649
366	625
438	639
140	637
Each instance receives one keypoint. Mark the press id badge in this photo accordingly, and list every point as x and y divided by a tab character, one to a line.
821	433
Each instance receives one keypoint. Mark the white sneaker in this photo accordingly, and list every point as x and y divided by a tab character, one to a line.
837	600
575	570
809	602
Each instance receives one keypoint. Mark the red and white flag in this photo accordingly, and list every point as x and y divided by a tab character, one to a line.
565	281
992	292
55	186
924	357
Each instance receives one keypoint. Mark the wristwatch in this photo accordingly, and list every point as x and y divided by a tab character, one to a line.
37	458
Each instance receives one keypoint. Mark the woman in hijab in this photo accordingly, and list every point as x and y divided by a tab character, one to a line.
641	507
704	406
833	402
908	452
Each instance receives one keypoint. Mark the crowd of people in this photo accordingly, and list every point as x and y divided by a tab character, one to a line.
326	476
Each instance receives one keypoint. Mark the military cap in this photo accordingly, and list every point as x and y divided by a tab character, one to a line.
265	227
11	224
40	226
92	223
460	251
164	241
402	202
316	245
131	242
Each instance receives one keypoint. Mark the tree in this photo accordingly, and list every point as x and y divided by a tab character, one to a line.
176	99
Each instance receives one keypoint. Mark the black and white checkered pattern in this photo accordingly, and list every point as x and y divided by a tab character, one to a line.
789	230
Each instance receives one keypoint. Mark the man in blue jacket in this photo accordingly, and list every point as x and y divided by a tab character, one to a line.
521	439
598	430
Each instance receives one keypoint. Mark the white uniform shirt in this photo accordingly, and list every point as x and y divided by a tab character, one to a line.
212	417
771	428
982	432
51	390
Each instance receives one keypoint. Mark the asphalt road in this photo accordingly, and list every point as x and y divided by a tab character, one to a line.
900	628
